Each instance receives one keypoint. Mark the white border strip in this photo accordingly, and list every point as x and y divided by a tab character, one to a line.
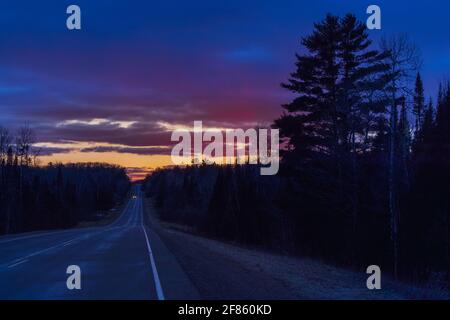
17	263
159	290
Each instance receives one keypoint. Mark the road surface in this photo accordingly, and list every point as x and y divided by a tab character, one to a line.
138	257
123	260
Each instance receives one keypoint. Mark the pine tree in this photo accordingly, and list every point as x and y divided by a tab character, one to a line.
440	109
424	136
361	79
419	102
338	85
315	80
428	120
332	83
404	146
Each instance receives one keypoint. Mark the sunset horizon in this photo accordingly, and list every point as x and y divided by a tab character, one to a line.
88	99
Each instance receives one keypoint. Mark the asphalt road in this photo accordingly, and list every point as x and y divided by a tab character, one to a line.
123	260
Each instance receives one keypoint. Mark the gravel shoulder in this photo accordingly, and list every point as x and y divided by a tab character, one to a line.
226	271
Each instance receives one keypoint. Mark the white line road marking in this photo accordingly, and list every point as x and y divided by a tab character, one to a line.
38	235
43	234
159	290
17	263
68	243
71	241
93	232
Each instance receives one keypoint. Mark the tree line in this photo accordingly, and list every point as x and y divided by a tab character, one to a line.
365	173
34	197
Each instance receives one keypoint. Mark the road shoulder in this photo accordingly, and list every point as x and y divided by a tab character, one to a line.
225	271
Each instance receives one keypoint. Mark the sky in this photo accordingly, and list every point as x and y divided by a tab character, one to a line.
115	89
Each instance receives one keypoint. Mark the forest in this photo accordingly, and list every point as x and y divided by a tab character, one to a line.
34	197
365	171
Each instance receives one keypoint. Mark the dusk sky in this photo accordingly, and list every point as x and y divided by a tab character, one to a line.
114	90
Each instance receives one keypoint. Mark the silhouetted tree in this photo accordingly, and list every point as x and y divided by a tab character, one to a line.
419	102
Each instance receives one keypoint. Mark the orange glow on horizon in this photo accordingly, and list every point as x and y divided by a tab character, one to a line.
146	163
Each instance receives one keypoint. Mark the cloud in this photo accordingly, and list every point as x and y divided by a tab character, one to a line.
189	127
156	150
48	151
49	148
97	122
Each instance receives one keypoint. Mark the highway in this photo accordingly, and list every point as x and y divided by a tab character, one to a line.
123	260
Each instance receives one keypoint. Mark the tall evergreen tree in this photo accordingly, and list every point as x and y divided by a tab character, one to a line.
314	110
332	83
419	102
423	137
404	147
338	84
